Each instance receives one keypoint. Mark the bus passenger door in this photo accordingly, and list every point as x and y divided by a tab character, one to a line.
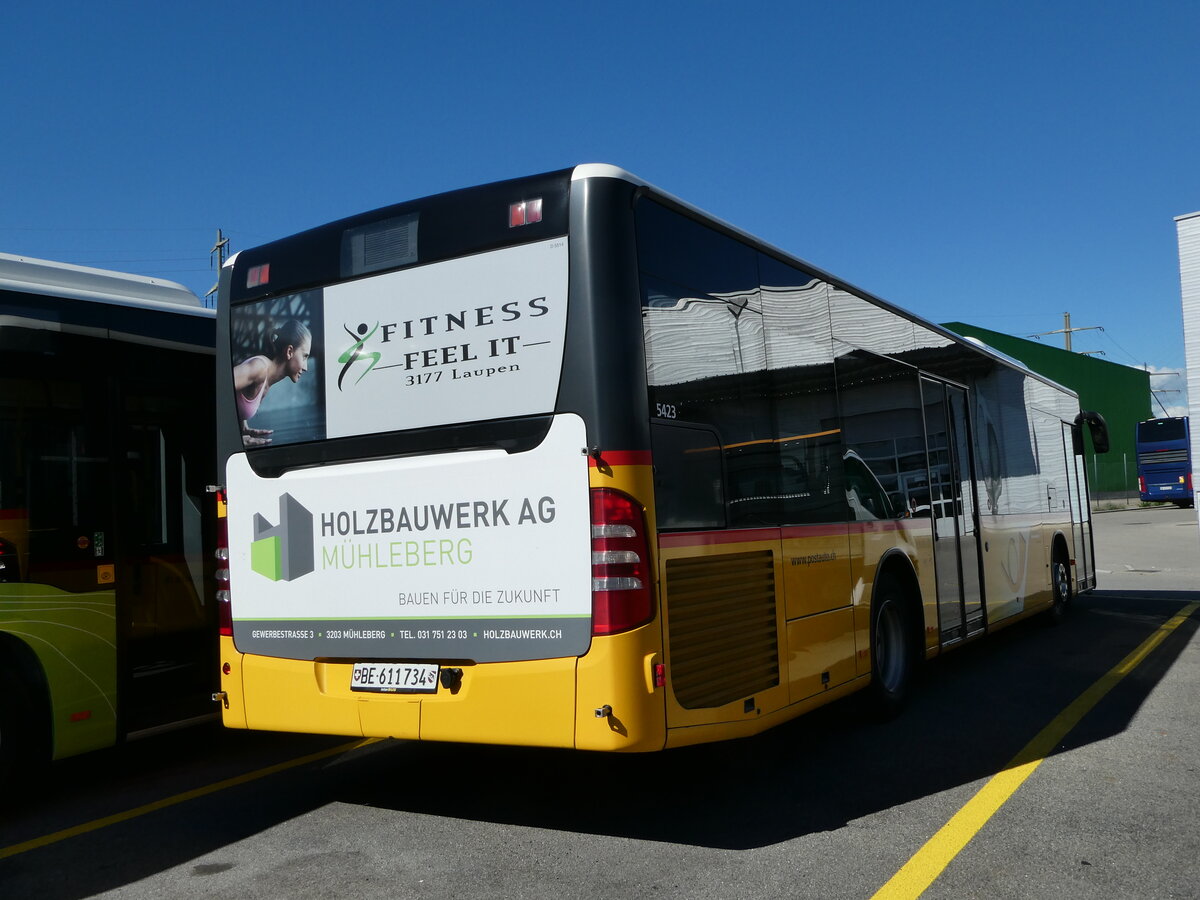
1081	518
953	509
169	649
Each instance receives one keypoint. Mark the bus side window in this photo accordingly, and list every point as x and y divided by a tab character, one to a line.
689	491
865	495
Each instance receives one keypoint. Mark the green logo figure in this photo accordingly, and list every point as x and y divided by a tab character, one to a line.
355	352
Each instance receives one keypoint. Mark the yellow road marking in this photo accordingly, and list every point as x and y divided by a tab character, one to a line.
931	860
128	814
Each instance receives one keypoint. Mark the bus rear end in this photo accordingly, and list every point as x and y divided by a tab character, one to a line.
1164	461
435	516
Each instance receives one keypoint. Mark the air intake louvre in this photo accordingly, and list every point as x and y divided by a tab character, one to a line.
1162	456
379	245
722	633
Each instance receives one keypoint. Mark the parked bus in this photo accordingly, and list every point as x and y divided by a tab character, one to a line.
564	461
106	627
1164	461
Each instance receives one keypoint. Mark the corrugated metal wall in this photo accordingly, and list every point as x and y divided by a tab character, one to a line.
1188	228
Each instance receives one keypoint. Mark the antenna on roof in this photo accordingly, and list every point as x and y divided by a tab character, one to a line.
220	249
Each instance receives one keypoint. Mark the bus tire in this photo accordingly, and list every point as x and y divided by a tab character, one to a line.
892	656
1060	584
24	748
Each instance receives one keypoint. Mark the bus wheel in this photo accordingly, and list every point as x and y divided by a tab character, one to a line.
1060	584
20	750
891	651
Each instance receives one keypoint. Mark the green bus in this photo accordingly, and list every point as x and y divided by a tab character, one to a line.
106	628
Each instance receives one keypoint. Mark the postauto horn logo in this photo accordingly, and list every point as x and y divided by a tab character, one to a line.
283	552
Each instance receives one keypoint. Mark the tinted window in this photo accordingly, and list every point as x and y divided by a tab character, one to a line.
739	343
807	427
884	433
1161	430
683	252
688	481
702	325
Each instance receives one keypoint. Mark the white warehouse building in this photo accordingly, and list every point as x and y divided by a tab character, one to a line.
1188	230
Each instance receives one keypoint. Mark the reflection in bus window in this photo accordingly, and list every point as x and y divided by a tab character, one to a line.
866	496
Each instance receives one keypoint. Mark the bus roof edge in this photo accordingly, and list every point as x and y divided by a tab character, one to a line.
28	275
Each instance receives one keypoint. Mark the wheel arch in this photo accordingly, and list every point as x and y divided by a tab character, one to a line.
1060	539
1061	544
19	661
895	567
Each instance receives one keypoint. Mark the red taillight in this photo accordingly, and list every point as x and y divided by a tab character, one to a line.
258	275
622	596
526	212
224	608
1188	483
1141	485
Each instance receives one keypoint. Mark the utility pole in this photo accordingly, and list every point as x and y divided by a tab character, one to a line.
1067	330
220	249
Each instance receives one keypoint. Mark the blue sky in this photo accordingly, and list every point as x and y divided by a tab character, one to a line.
995	163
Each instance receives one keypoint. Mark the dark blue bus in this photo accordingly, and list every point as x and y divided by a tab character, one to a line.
1164	461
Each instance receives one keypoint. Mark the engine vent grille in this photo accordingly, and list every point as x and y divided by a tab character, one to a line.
723	634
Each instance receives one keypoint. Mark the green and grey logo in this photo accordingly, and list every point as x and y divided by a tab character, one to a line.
356	352
283	552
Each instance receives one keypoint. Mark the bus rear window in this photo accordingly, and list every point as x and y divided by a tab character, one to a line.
1158	430
462	340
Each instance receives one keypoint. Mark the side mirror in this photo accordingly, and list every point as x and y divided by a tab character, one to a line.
1097	427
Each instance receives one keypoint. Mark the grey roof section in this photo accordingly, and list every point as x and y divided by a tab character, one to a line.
27	275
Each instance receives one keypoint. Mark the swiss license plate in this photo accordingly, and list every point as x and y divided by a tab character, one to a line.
395	678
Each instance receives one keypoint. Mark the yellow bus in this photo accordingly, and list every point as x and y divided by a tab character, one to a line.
564	461
106	611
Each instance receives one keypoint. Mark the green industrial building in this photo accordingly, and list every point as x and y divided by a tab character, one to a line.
1119	393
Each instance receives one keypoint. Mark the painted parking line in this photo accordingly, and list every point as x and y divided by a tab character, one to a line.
931	860
96	824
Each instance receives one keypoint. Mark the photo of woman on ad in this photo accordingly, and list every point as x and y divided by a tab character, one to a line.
286	353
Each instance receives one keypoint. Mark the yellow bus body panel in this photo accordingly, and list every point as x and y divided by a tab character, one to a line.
618	673
519	703
816	570
820	653
531	703
233	709
686	737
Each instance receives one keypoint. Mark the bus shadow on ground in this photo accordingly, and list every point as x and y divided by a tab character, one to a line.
972	712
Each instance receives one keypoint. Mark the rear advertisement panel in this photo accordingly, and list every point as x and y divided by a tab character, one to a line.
468	339
478	555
